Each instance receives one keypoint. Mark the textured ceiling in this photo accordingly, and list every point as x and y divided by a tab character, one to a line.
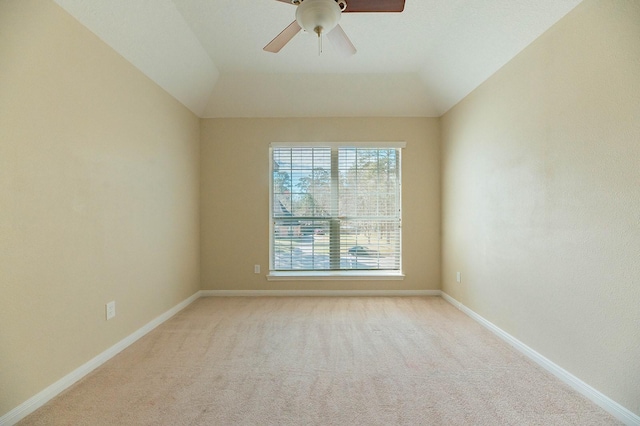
208	53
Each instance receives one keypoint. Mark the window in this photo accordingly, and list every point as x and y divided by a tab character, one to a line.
335	209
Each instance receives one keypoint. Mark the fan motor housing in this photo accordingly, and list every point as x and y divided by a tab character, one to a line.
341	3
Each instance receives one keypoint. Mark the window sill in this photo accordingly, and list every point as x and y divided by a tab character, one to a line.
334	275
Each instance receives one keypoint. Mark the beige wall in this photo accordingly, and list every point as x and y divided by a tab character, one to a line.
235	197
98	198
541	197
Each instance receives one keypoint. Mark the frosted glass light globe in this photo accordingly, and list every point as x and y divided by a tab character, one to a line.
318	16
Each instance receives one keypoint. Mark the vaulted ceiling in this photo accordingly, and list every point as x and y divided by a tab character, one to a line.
208	53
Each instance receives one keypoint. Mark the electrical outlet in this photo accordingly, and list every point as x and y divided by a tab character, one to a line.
458	277
111	310
256	269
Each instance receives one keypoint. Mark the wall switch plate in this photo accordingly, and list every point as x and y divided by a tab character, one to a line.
458	277
111	310
256	269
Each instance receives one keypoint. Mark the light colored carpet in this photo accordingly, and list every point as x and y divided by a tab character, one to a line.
320	361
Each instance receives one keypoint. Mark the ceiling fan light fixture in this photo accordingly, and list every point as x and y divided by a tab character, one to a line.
318	16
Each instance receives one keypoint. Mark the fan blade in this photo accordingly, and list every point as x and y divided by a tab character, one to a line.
374	6
283	38
339	38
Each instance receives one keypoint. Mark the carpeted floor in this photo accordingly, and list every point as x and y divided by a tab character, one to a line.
320	361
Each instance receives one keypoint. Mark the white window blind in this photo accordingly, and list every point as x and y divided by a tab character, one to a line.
336	207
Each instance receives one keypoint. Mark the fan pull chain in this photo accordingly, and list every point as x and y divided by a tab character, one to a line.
318	30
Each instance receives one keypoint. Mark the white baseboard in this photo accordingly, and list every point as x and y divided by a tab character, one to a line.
325	293
41	398
44	396
37	401
615	409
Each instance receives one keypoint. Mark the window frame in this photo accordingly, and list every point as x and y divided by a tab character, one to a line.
344	274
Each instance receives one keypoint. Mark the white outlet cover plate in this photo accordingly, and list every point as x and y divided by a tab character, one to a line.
111	310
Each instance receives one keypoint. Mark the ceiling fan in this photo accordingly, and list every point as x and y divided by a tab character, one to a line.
322	16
